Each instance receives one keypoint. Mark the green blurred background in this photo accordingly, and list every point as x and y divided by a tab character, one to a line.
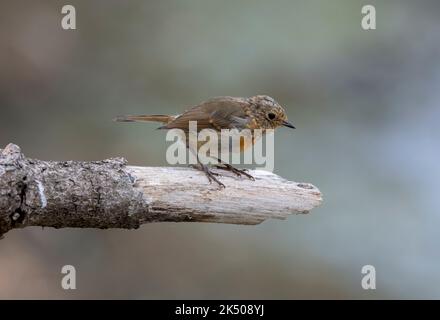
365	104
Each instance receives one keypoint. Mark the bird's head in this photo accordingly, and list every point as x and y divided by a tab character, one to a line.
269	113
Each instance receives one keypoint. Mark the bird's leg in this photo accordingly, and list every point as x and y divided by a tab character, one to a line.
200	167
239	172
209	174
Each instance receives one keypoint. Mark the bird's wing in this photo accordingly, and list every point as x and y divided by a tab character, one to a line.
218	113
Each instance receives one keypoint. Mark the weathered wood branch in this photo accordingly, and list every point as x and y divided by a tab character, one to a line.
110	194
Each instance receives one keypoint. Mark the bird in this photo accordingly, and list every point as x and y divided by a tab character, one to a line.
225	112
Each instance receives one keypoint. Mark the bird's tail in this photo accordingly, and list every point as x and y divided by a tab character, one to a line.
146	118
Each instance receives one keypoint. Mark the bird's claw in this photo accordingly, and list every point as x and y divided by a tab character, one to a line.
211	175
237	172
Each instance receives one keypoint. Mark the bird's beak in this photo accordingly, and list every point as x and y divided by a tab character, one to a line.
288	124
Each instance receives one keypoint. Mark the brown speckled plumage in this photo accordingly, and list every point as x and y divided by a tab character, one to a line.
257	112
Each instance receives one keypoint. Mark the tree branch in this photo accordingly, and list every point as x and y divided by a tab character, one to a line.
110	194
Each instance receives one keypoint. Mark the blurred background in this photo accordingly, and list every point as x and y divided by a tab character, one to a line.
366	108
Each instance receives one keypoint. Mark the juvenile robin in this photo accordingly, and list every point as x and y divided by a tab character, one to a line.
258	112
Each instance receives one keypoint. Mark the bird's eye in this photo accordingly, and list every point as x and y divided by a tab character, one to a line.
271	115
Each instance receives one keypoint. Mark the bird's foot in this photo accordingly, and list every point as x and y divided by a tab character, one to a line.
210	175
237	172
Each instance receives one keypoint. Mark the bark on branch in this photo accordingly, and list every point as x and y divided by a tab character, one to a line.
110	194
